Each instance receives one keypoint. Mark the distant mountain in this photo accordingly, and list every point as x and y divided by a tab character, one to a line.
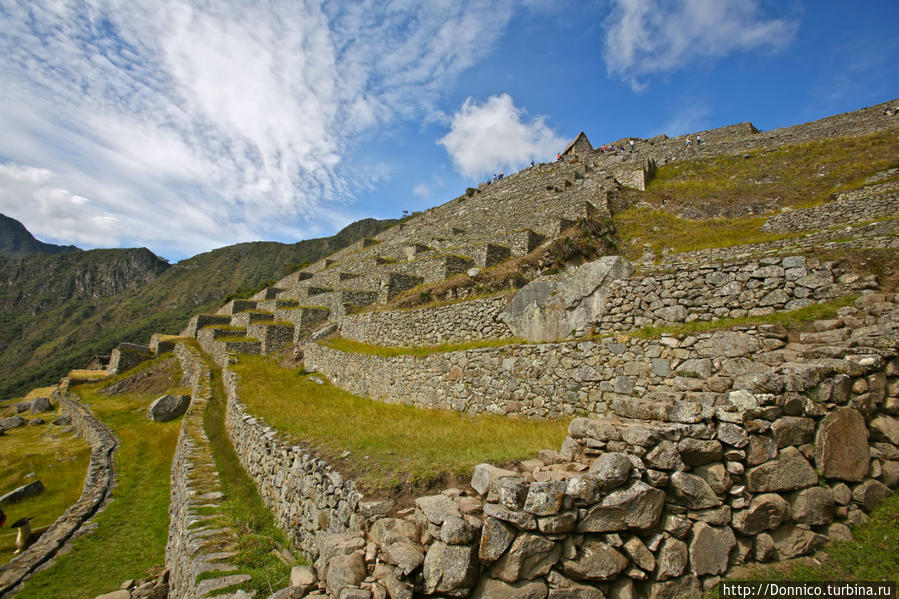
57	311
16	241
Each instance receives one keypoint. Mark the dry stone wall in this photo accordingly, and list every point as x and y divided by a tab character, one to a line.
846	209
307	497
470	320
653	296
643	507
195	539
98	481
689	292
714	450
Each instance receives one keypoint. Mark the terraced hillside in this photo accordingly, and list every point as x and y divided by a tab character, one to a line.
623	374
58	312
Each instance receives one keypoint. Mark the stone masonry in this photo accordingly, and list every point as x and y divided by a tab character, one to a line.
664	494
97	483
194	542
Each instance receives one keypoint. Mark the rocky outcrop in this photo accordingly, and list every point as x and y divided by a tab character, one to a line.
550	310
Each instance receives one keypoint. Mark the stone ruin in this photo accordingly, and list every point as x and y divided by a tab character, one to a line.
686	455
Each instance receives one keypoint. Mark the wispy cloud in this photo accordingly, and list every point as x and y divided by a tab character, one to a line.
199	124
484	138
645	37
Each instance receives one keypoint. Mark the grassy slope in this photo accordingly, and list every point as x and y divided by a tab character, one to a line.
799	175
48	329
133	528
57	458
390	445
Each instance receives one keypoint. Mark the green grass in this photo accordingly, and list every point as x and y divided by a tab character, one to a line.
387	351
872	555
243	509
56	458
132	530
800	175
791	319
661	229
391	446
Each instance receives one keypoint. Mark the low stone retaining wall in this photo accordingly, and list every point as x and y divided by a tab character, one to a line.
655	499
848	209
307	497
640	508
471	320
688	293
98	481
654	296
675	379
193	548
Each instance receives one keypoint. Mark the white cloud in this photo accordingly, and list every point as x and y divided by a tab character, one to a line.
201	124
484	138
644	37
422	191
689	116
62	216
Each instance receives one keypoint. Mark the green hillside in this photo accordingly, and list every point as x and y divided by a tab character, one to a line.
58	311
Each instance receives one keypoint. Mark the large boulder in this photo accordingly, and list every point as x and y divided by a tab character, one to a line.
765	512
550	310
491	588
841	446
612	470
529	556
11	423
496	536
345	571
41	404
710	548
692	491
672	560
449	568
787	472
24	492
168	407
595	561
636	506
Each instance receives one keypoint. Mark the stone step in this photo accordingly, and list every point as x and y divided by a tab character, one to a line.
272	336
160	344
244	319
395	283
271	305
216	331
267	293
303	316
237	305
294	279
199	321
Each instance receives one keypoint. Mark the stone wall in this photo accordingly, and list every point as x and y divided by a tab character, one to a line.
98	481
690	292
126	356
854	207
643	508
307	497
671	378
654	296
462	321
194	548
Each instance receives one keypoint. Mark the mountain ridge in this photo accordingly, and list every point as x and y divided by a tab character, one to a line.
57	311
17	241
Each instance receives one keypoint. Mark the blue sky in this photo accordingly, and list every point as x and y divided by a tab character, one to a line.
185	126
